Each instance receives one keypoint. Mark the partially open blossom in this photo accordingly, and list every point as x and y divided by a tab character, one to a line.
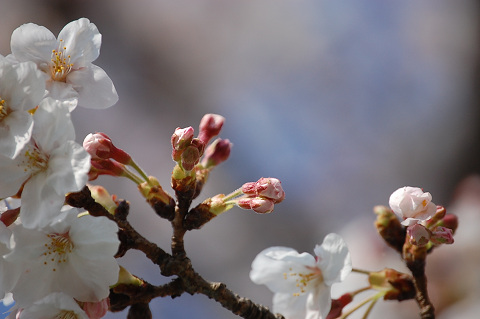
67	62
21	89
100	146
216	153
412	205
301	282
210	126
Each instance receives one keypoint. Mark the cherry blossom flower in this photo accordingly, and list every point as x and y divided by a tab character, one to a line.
47	168
67	62
301	282
55	305
73	255
412	205
22	88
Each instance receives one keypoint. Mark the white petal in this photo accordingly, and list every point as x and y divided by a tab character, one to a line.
96	236
68	167
53	125
319	302
31	42
12	175
22	86
272	266
52	306
94	86
15	132
290	306
64	93
82	41
40	202
333	259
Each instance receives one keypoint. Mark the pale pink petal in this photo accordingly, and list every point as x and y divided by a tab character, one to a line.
291	307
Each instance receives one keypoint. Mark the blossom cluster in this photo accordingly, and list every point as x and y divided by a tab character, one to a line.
56	261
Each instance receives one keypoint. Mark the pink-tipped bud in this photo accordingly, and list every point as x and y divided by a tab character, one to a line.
257	204
216	153
100	146
442	235
105	167
181	138
210	126
450	221
96	310
418	235
265	187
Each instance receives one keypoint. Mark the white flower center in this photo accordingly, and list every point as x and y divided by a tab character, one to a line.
57	250
34	160
64	314
303	280
61	65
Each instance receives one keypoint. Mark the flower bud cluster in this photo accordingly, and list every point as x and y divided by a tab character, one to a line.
55	259
187	150
424	220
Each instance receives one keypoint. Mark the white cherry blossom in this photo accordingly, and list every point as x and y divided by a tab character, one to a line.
22	87
73	255
67	62
301	282
49	166
412	205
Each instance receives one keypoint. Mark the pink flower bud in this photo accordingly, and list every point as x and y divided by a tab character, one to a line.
419	235
216	153
257	204
181	138
412	205
105	167
270	188
442	235
100	146
265	187
96	310
210	126
190	157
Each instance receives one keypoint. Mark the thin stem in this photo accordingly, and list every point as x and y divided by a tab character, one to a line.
362	303
140	171
361	271
369	309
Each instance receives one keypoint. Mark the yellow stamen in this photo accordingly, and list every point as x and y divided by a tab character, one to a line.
61	64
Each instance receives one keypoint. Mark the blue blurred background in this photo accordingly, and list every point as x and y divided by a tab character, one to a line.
343	101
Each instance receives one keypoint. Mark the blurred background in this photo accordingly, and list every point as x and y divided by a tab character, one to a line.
343	101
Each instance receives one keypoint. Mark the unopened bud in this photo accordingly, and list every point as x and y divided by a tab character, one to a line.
105	167
269	187
216	153
449	221
418	235
442	235
101	196
210	126
257	204
190	158
100	146
181	138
